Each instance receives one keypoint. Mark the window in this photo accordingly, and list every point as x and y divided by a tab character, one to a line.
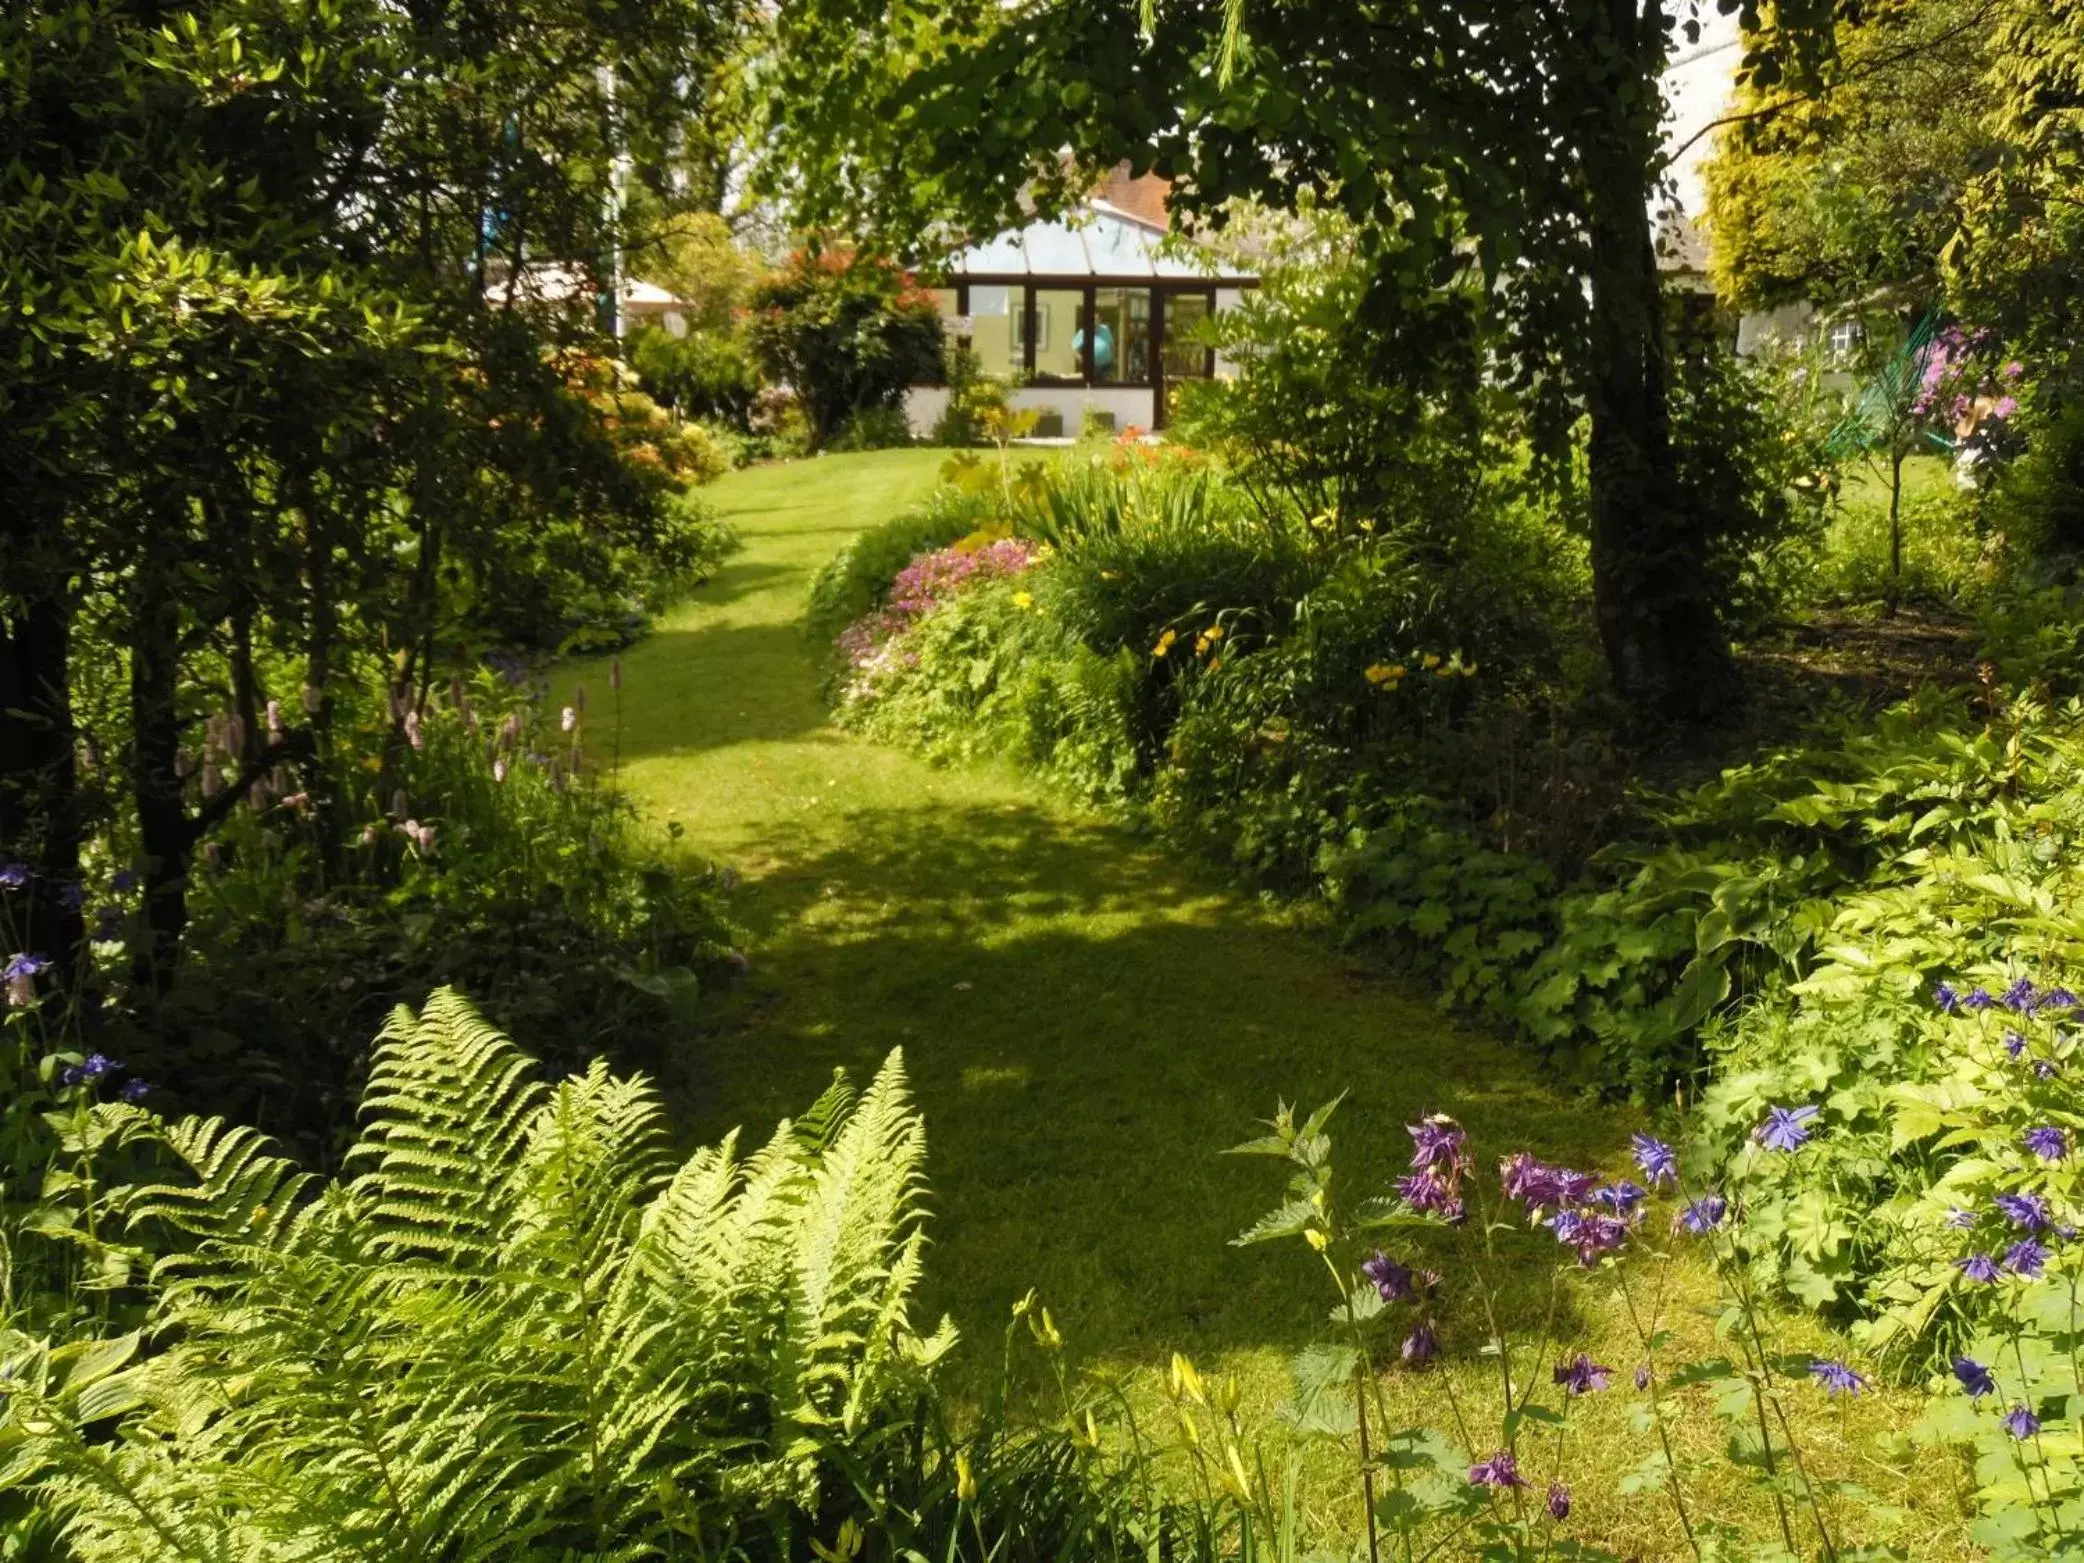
995	330
1059	333
1846	337
1122	336
1186	357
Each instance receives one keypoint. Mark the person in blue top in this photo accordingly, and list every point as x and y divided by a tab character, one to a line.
1103	347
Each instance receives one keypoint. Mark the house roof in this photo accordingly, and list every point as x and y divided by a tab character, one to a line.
1100	241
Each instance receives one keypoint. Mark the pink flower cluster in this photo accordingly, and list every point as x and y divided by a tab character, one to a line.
1956	386
921	586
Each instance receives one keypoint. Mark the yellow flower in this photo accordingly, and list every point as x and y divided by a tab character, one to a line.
965	1478
1023	599
1445	672
1468	670
1164	643
1379	674
1186	1381
1213	632
1431	661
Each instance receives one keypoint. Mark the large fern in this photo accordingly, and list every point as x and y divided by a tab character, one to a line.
515	1331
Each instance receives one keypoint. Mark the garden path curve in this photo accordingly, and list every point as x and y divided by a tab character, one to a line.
1089	1021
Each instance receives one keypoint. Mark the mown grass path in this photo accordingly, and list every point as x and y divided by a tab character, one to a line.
1089	1021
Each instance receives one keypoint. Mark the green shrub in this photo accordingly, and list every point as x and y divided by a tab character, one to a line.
491	848
1947	557
977	402
848	332
873	428
703	375
856	579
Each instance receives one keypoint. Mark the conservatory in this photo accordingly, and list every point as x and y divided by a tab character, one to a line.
1087	316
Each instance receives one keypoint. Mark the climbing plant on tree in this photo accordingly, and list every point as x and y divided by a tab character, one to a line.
1523	136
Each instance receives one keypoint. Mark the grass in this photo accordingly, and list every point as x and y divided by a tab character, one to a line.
1089	1023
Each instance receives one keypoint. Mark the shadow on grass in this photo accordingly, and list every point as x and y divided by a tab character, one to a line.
740	577
718	684
1089	1024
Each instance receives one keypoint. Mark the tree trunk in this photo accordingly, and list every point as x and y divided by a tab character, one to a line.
1651	592
1895	595
39	782
163	827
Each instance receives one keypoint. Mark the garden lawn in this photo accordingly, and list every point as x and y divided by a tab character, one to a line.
1088	1020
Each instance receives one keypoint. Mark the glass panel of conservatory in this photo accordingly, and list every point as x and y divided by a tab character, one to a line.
995	327
1186	356
1122	336
1058	342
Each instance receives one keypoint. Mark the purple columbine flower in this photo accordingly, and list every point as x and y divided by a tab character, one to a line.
2014	1044
2019	997
2021	1423
2046	1068
1978	998
72	1074
1581	1375
136	1090
13	875
2026	1257
1430	1195
1974	1377
1559	1501
1390	1279
1642	1375
1500	1470
1961	1220
1836	1377
24	965
1420	1346
1658	1161
1595	1234
1704	1214
2058	998
1977	1267
1622	1198
2028	1211
2047	1142
1785	1128
1436	1141
99	1064
1945	996
1539	1186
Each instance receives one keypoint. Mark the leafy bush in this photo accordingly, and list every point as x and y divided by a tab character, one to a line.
705	374
855	581
873	428
485	846
847	332
977	402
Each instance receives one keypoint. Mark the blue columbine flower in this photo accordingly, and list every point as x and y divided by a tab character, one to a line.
1659	1162
2021	1423
1559	1501
2058	998
2046	1068
1961	1220
1500	1470
1785	1128
1974	1377
1621	1198
13	875
1420	1346
2025	1257
99	1064
24	965
1836	1377
2047	1142
136	1090
1946	998
1581	1375
1978	998
71	1074
2014	1044
1977	1267
2023	1210
2019	997
1704	1214
1391	1280
124	882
